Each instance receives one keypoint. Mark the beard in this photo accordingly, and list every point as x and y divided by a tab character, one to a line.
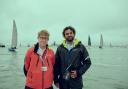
70	39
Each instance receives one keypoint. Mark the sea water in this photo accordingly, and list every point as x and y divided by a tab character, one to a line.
109	69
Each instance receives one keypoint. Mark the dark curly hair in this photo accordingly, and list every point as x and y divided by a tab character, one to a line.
69	27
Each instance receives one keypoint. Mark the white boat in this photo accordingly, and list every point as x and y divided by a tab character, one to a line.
101	41
14	38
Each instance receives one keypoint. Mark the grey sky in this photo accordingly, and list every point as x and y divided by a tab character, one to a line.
89	17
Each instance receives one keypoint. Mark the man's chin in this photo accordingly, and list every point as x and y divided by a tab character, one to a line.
70	40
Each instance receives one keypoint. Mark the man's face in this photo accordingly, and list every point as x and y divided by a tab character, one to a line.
69	35
43	40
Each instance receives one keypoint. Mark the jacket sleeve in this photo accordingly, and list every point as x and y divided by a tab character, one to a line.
27	60
57	67
85	61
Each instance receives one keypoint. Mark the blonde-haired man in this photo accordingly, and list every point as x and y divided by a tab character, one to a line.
38	64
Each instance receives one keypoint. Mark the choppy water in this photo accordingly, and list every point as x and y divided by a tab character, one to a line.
109	69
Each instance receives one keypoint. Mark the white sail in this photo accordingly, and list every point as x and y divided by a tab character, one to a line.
101	41
14	35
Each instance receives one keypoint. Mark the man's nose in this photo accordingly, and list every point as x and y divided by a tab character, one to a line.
69	34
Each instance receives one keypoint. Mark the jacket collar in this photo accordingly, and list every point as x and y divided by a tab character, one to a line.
36	47
76	42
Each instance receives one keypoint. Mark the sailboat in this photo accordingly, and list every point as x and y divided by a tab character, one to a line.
89	41
101	41
14	38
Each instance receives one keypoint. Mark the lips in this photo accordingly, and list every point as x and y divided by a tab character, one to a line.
70	37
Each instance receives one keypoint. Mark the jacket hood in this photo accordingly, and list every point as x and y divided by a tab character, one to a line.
76	42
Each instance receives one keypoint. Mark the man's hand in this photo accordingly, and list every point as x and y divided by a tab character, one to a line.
73	74
57	85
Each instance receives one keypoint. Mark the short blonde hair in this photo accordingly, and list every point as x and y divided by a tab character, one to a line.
43	32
